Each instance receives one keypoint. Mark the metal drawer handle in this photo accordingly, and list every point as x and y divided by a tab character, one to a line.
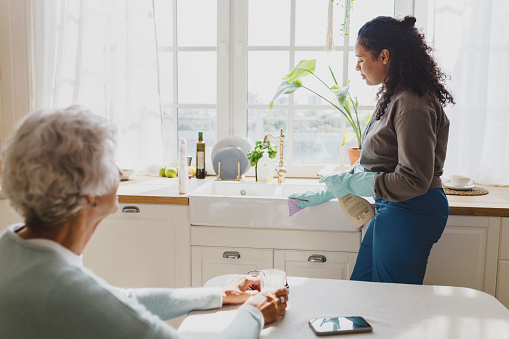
131	209
317	258
231	255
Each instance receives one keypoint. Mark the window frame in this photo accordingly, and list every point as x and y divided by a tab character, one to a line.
223	77
232	71
238	111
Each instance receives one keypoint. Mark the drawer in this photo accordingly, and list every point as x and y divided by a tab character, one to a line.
147	212
209	262
315	264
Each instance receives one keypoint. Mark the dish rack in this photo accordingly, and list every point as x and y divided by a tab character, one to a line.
218	178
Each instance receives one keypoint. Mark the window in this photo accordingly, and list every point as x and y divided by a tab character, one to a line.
221	61
280	33
188	77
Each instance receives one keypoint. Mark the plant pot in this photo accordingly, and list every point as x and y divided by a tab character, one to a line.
354	154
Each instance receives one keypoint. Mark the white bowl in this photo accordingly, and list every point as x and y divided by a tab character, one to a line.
126	173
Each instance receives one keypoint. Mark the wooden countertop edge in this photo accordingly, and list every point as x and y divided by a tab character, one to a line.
479	211
184	200
139	199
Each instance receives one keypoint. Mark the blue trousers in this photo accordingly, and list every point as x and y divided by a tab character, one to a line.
399	239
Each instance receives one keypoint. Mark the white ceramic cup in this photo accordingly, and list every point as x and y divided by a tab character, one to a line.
271	279
460	180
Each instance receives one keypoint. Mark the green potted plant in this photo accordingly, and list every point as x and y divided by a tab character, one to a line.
343	100
256	154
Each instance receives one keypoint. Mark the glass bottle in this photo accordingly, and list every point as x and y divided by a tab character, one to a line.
200	157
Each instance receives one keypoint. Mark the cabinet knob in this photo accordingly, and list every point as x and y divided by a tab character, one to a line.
231	255
317	258
131	209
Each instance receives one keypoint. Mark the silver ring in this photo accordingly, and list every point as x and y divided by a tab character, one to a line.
282	299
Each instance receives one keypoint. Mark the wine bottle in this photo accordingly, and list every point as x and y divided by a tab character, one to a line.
200	157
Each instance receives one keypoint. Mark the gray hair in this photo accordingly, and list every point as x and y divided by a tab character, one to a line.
55	159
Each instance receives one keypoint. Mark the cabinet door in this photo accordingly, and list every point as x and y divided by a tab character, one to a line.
503	265
315	264
130	253
209	262
140	246
466	255
503	282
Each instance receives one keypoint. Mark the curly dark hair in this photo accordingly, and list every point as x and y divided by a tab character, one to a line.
411	64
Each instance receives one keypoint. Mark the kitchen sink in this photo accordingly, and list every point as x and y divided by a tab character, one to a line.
249	189
263	205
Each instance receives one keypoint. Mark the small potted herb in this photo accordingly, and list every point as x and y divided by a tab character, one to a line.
256	154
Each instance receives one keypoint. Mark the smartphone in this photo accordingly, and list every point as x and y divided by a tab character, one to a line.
339	325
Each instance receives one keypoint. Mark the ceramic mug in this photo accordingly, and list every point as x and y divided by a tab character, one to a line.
271	279
460	180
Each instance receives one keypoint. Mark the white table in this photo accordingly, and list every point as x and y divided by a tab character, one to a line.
393	310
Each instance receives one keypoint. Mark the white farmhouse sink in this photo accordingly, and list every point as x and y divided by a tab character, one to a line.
263	205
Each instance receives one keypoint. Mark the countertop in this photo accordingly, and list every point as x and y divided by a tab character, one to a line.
157	190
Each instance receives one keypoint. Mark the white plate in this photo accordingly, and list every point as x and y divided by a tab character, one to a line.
458	188
231	158
232	141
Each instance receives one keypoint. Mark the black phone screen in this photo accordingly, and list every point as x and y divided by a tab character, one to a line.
338	325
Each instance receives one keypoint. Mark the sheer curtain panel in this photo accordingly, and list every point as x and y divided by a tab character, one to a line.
102	54
472	46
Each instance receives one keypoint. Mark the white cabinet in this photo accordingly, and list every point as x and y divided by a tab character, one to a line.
226	250
142	245
503	265
467	254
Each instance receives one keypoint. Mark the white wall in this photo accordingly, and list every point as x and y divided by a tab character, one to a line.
14	75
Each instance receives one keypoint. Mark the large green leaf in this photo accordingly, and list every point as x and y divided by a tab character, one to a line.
303	68
285	88
348	136
348	106
340	93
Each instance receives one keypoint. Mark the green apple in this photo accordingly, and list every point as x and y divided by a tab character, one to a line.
162	172
171	172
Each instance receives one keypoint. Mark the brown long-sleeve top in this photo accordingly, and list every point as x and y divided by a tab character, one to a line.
407	146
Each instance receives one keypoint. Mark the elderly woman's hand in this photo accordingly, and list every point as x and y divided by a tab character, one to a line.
238	290
272	304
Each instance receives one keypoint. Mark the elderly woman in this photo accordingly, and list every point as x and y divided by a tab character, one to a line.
59	173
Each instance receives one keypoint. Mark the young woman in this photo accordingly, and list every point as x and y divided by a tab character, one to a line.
403	153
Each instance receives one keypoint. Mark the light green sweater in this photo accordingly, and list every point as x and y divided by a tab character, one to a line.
43	295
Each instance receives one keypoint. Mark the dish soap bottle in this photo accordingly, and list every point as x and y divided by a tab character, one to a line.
183	172
265	168
200	157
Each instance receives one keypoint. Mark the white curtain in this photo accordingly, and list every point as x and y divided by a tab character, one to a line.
472	46
102	54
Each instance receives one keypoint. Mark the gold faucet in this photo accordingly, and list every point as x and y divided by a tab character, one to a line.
281	171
